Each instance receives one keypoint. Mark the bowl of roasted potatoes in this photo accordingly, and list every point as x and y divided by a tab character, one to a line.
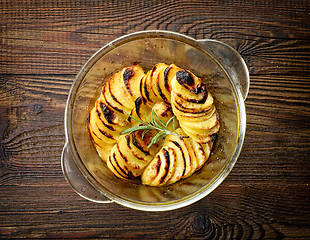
155	120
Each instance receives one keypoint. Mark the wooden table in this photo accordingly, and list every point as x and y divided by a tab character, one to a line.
43	46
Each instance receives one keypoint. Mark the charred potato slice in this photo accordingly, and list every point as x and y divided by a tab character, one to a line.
164	82
109	115
203	125
156	76
102	151
201	136
100	133
124	86
130	155
161	169
131	78
194	107
118	164
149	90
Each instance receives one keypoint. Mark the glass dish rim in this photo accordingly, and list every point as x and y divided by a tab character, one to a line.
162	206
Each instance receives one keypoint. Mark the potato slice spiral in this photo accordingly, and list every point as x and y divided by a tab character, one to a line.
168	91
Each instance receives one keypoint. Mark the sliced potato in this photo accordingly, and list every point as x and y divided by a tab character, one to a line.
161	168
156	76
164	112
157	170
179	143
141	144
172	164
102	134
118	123
197	118
114	166
131	78
201	152
97	141
120	164
109	115
135	149
182	100
201	136
122	97
189	148
180	163
186	82
130	155
142	110
192	154
197	95
104	151
133	158
203	125
191	131
107	97
146	90
103	126
193	118
120	92
164	83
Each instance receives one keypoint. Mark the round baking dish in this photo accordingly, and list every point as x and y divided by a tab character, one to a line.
227	78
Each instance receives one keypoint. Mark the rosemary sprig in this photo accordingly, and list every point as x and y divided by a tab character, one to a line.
155	123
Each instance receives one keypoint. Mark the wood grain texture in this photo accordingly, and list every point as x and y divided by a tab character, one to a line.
43	46
61	37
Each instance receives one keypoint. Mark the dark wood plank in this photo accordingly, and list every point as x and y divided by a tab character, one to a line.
229	212
55	42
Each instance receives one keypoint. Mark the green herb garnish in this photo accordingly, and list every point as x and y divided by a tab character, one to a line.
155	123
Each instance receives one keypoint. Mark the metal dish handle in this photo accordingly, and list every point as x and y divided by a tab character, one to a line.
231	61
76	179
